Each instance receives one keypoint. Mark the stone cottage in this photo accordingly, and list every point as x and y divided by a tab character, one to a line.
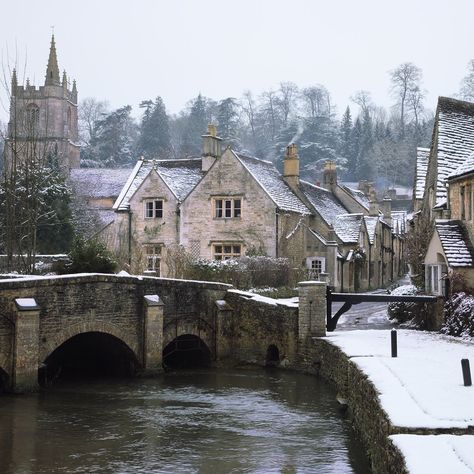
224	204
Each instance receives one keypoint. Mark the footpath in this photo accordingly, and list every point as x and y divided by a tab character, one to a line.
422	392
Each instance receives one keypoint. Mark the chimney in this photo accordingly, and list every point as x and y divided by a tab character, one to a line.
386	208
329	175
211	147
373	205
291	167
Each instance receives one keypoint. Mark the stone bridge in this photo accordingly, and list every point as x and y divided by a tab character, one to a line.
147	319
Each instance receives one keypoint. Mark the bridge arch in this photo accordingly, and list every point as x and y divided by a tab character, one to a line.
273	355
89	327
186	351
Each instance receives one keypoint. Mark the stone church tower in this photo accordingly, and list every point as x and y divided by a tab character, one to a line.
43	120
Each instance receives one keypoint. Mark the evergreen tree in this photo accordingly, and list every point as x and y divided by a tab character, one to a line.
154	141
353	165
196	125
365	168
228	121
347	146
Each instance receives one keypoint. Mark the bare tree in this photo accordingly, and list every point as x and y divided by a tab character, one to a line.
317	101
405	79
249	110
363	99
90	112
287	95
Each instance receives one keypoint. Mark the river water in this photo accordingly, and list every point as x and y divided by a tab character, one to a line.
206	421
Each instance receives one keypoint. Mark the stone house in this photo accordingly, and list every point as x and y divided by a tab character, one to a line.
446	202
224	204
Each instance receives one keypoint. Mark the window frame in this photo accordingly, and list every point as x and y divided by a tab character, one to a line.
153	254
313	271
219	251
156	210
225	207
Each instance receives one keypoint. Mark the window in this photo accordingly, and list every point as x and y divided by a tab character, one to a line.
32	116
462	202
153	209
435	281
316	266
227	208
226	251
469	202
153	258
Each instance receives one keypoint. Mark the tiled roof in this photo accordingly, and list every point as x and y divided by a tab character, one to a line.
422	156
455	122
269	178
181	176
399	222
359	196
98	182
323	201
466	168
347	227
371	224
455	242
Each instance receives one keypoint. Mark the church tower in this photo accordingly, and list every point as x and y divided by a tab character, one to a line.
43	120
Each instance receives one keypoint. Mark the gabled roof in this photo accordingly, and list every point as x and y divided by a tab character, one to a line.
347	227
356	194
422	156
181	176
455	242
455	138
323	201
399	222
98	182
271	181
371	224
466	168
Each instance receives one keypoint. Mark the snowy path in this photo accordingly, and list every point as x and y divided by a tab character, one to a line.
421	388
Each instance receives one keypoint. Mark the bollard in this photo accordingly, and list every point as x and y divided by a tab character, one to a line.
466	372
394	342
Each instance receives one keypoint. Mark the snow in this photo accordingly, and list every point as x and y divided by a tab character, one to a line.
422	156
423	386
98	182
455	243
371	225
347	227
26	303
288	302
466	168
437	454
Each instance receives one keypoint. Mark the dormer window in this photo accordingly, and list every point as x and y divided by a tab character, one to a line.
227	208
153	209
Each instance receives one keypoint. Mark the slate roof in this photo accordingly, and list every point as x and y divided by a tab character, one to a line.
466	168
270	179
359	196
399	222
422	156
323	201
98	182
455	138
347	227
455	242
181	176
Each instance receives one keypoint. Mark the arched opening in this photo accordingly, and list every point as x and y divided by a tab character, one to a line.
273	356
186	352
89	355
3	381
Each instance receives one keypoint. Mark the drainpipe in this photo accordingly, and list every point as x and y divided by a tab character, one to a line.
130	238
276	233
370	260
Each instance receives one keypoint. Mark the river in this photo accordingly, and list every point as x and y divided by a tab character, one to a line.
202	421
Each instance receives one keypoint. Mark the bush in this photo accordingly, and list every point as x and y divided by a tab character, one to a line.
459	316
403	312
89	256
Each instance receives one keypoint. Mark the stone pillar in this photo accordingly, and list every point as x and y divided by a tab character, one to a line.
312	309
26	345
153	335
224	334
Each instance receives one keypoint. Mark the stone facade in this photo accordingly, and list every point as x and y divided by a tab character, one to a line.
44	121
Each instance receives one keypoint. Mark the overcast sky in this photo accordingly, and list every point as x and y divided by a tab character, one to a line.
128	51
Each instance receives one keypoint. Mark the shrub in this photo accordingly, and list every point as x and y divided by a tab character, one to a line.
89	256
459	315
403	312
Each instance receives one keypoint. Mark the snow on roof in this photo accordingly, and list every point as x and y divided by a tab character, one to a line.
321	238
466	168
323	201
358	195
371	224
347	227
455	243
98	182
273	184
181	176
455	138
399	222
422	156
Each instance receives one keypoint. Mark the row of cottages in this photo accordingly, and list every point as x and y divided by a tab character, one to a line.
223	205
443	195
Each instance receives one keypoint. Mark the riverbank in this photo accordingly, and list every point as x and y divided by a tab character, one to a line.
413	412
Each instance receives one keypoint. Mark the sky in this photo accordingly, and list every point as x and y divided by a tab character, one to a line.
125	52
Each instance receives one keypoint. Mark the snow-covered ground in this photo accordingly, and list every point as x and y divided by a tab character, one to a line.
421	388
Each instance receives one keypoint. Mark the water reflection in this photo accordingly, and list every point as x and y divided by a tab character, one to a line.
206	421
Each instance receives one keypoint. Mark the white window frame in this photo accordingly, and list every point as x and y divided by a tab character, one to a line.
227	208
153	254
153	208
434	279
226	250
316	266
